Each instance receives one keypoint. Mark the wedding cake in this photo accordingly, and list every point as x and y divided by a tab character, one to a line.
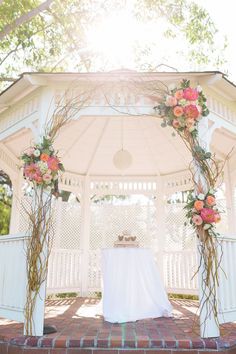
126	240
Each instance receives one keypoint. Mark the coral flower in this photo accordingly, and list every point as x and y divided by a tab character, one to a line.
210	200
171	101
208	215
197	220
179	94
198	205
191	111
190	94
44	157
31	171
38	179
178	111
53	163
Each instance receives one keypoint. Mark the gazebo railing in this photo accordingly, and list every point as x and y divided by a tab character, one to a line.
227	283
13	276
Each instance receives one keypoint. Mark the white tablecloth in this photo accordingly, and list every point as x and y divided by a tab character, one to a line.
132	288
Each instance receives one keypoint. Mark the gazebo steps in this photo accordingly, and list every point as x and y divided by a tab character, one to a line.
88	345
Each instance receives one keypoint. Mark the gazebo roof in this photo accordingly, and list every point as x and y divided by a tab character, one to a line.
87	145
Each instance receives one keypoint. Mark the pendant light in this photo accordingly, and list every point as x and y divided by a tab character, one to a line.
122	158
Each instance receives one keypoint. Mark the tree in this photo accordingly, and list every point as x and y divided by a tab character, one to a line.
50	35
5	202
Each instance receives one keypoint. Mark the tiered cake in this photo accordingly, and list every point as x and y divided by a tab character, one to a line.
126	240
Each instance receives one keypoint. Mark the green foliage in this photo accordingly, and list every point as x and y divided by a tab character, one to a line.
5	210
53	37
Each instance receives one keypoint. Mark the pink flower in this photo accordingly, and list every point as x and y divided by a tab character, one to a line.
38	179
190	94
53	163
178	111
197	220
191	111
47	178
171	101
208	215
31	171
179	94
176	123
210	200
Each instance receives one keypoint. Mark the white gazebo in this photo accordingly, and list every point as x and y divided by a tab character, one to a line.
117	114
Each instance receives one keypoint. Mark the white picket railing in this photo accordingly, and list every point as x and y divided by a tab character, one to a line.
13	276
65	271
179	268
227	281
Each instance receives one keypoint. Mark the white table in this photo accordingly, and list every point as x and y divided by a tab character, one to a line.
132	288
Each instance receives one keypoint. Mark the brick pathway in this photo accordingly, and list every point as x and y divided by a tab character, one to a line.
81	330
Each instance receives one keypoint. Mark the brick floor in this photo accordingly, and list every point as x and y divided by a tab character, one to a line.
81	330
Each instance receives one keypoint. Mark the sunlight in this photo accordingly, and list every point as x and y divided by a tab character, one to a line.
115	37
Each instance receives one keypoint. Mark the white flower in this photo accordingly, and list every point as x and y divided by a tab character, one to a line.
49	188
172	86
51	148
207	226
199	88
201	196
37	153
43	166
182	102
191	129
211	191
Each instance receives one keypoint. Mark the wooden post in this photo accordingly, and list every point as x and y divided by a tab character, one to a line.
208	323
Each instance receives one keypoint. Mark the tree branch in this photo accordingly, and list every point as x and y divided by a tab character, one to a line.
24	18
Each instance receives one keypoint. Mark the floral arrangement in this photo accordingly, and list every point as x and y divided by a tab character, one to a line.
182	107
41	165
202	210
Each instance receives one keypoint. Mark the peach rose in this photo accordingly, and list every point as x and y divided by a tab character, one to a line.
210	200
171	101
178	111
198	205
179	94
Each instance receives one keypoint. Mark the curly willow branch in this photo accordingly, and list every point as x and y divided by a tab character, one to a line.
40	214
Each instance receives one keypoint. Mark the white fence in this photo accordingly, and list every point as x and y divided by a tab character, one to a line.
13	279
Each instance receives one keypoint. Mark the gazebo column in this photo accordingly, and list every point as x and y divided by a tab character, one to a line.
161	229
229	194
85	235
208	323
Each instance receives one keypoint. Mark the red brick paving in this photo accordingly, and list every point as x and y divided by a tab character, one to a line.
86	335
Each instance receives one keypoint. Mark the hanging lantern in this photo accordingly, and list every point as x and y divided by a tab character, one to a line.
122	159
